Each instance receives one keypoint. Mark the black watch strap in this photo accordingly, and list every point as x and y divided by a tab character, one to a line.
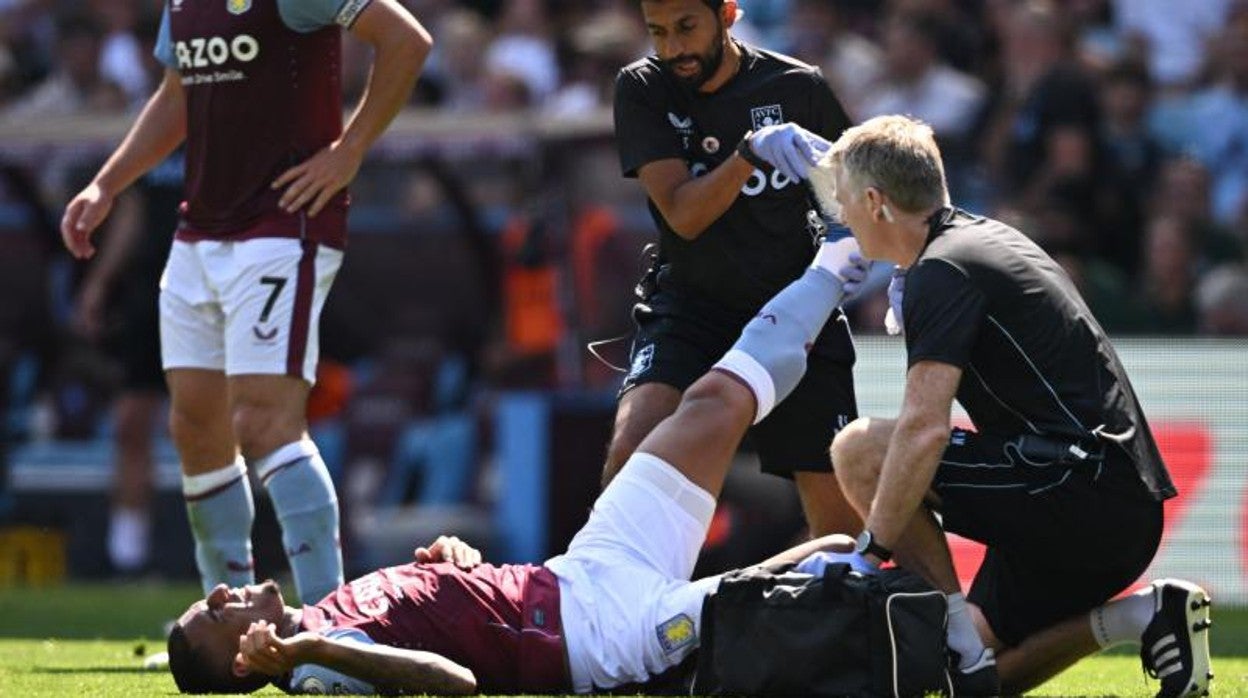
747	153
866	545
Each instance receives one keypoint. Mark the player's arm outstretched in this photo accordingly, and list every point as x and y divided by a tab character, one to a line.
160	128
400	45
387	670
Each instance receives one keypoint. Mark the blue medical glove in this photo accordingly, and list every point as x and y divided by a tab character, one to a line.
853	274
893	322
789	148
816	563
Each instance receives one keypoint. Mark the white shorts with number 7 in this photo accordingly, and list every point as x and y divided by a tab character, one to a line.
246	307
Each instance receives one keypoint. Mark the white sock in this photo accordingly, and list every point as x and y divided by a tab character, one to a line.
128	535
963	637
1124	620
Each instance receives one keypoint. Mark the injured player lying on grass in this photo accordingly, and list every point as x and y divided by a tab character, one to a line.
618	608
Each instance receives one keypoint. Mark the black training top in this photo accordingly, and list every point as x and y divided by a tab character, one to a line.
985	298
761	243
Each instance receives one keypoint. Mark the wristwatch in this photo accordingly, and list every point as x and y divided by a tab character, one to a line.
866	545
747	153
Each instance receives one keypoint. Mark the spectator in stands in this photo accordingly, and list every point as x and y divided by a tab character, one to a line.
1222	301
917	82
1099	43
76	86
589	57
1183	192
457	64
960	34
818	34
1175	34
520	62
122	58
1168	278
1211	124
27	37
1044	126
1132	159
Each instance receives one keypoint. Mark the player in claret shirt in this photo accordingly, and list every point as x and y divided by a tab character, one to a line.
617	608
253	88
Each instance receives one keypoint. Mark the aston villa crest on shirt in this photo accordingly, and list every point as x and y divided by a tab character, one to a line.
237	7
769	115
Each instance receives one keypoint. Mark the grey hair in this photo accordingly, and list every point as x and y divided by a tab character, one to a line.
896	155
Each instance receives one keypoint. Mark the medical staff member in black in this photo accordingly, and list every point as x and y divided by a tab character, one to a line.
700	124
1061	478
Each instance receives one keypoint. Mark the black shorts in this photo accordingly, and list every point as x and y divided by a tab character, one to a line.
135	340
676	347
1062	537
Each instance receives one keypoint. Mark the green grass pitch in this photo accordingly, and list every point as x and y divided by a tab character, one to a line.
89	641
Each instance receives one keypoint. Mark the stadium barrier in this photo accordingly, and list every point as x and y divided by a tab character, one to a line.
31	556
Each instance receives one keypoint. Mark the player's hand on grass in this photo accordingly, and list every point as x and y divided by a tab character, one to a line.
450	549
261	651
789	148
313	182
82	216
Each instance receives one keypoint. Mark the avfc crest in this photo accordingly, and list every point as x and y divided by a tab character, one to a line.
769	115
237	7
676	633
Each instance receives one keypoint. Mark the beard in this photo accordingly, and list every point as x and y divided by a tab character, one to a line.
708	63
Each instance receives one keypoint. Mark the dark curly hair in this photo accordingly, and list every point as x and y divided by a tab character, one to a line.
194	673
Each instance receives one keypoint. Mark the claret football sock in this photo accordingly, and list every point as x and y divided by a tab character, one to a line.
220	510
770	356
307	509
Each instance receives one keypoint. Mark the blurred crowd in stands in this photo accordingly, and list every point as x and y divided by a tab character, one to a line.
1116	131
